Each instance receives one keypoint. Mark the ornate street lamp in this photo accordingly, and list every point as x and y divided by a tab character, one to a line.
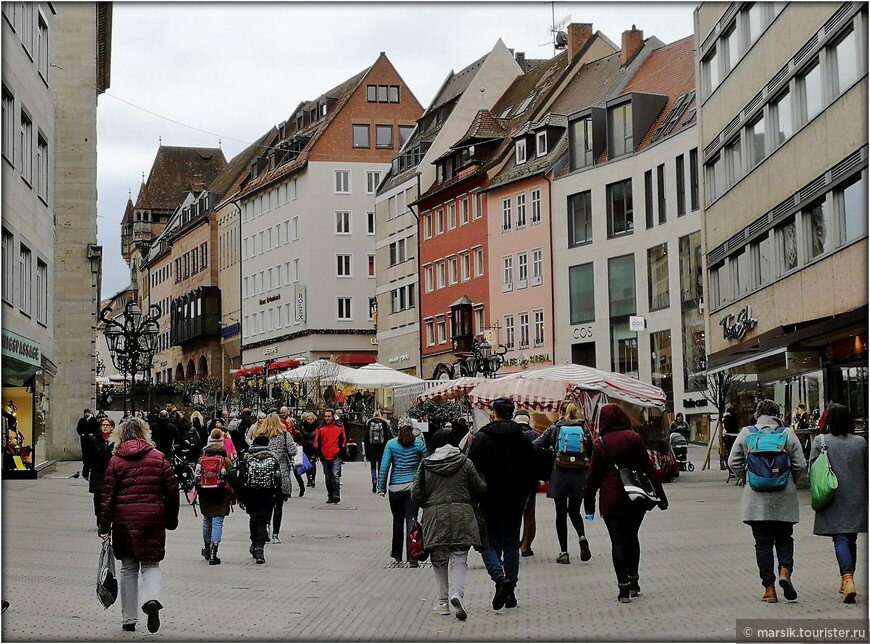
132	342
475	356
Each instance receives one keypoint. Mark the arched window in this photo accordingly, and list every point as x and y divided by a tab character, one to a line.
202	368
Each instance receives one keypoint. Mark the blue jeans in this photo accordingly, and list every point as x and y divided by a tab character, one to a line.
846	549
769	535
404	511
502	559
332	475
212	529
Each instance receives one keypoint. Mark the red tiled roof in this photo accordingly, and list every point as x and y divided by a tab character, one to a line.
667	71
174	171
128	213
482	128
227	182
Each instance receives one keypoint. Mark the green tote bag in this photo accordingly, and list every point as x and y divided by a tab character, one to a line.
823	481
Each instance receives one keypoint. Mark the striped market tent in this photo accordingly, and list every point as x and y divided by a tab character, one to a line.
450	389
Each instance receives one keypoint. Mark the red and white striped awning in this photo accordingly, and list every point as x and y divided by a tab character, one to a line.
450	389
545	388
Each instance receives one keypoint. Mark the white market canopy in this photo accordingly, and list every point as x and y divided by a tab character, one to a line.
376	376
546	388
323	370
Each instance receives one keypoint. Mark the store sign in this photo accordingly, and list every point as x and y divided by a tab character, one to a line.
229	330
22	349
636	323
299	299
271	351
399	358
582	332
735	327
271	298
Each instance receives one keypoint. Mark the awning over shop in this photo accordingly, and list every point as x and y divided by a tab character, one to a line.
284	364
22	358
247	371
355	359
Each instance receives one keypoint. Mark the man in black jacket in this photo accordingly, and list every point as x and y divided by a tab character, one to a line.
86	428
165	434
504	456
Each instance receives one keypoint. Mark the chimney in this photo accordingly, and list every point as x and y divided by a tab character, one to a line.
578	34
521	59
632	41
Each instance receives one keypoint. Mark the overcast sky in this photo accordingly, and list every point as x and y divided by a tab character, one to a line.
235	70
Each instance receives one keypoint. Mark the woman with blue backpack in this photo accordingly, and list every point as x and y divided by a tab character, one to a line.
769	458
572	446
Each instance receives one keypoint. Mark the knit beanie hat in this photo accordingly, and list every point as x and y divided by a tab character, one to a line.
522	416
612	418
216	436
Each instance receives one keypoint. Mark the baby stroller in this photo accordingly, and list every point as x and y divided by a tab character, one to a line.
680	447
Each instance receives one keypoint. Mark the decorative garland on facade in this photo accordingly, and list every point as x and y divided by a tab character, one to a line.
303	333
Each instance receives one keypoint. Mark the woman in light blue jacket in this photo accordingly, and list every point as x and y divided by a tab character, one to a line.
402	457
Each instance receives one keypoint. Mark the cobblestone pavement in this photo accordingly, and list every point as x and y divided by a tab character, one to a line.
332	579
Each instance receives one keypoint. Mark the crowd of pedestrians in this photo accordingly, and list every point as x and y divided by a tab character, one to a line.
476	490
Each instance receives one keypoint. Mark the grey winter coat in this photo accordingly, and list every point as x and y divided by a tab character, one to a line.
284	448
444	486
769	506
847	513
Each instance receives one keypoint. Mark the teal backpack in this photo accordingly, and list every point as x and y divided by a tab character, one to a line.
571	447
768	465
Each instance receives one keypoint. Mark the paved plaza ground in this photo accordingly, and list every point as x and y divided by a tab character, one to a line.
332	578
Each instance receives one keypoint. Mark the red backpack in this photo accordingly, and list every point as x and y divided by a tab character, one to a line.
212	471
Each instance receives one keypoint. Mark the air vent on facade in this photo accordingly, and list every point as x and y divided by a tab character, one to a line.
846	165
782	209
705	46
729	13
737	241
716	254
711	146
730	127
776	80
832	23
758	225
809	191
751	105
803	51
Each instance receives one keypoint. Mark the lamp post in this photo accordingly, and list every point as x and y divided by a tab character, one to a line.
476	356
132	341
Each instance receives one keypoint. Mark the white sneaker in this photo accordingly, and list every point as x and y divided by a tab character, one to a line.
442	608
276	538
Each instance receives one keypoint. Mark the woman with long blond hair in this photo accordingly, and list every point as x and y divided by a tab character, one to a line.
139	503
284	449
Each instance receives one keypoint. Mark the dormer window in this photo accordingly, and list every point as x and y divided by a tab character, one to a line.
581	143
322	110
521	151
541	143
621	131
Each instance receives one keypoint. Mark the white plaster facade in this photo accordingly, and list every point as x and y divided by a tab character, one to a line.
300	213
601	249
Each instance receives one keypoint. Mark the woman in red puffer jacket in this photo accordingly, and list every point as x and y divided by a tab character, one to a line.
140	502
618	445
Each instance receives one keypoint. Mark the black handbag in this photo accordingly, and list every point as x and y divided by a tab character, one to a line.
544	460
637	485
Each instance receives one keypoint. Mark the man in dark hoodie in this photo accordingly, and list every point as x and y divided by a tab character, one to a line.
504	456
165	434
238	433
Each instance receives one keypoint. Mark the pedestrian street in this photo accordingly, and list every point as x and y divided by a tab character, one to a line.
332	578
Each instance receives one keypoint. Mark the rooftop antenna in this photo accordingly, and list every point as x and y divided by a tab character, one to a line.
160	139
557	36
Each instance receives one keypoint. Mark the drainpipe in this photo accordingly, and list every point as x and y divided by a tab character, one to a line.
419	290
552	274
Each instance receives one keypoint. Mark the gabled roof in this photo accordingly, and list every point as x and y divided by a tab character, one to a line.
667	71
233	175
455	85
175	171
340	94
484	127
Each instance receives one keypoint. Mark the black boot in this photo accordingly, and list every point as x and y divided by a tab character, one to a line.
633	585
206	550
213	559
258	555
152	609
624	596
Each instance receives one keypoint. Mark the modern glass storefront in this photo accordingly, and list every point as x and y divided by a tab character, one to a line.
23	404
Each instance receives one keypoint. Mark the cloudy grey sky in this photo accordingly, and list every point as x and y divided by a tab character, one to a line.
234	70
